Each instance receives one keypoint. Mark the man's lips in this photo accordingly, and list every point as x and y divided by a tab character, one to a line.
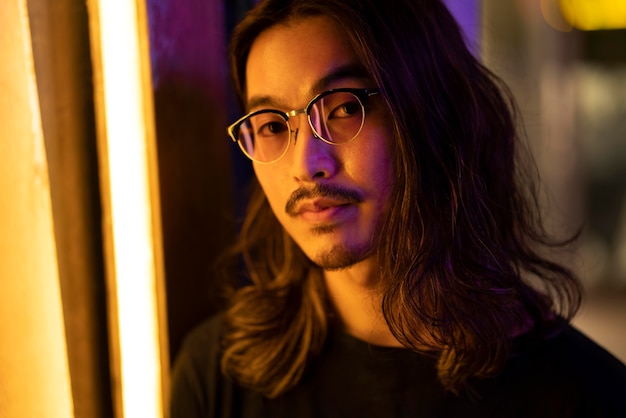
318	205
322	199
322	211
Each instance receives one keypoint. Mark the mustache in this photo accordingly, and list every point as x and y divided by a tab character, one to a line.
322	190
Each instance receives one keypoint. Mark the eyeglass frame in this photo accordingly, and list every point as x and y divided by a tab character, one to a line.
362	95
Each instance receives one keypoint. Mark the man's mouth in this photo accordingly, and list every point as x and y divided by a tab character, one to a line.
322	198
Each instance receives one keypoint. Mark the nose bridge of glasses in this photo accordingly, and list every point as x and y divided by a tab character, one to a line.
296	112
295	127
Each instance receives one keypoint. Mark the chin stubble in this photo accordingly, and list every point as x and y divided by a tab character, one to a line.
339	257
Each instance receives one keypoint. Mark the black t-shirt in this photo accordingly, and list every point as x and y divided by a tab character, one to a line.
566	376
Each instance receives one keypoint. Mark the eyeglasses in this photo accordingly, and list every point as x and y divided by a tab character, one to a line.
335	116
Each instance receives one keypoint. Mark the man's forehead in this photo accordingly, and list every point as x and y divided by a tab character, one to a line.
350	74
298	59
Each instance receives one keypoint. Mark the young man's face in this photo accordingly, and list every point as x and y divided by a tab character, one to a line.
331	199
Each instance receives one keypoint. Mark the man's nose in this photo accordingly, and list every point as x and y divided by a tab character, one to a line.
313	159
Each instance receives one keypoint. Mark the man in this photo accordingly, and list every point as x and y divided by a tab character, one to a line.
393	244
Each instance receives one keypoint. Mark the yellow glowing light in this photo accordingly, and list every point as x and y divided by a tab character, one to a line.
595	14
128	194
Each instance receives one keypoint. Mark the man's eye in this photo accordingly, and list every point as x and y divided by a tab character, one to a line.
346	109
271	129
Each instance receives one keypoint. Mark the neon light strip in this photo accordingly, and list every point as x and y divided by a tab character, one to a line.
131	214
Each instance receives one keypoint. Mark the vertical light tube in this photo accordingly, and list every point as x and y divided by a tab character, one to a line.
126	149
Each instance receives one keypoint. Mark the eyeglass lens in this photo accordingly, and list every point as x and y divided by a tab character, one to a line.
335	118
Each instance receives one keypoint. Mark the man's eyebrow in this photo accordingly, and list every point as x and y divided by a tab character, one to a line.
348	71
263	101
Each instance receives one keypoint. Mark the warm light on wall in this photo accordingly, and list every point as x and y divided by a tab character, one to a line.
126	149
594	14
34	370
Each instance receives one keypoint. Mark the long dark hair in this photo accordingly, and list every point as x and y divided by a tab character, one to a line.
464	257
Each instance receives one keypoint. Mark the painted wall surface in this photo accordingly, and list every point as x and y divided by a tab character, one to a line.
197	182
34	377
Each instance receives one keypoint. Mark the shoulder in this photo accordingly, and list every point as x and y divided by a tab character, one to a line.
205	336
196	375
201	347
570	372
574	351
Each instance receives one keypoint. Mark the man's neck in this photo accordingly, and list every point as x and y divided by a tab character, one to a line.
355	295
